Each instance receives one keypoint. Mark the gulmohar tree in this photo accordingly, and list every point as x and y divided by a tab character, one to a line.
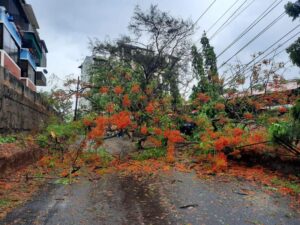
136	90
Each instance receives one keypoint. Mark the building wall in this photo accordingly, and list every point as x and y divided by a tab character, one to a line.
20	108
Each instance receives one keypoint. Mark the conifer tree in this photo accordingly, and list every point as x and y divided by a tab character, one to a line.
205	67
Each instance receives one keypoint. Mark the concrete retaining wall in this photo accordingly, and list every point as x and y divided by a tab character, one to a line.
20	108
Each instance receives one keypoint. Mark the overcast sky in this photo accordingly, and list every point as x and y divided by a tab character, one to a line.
67	26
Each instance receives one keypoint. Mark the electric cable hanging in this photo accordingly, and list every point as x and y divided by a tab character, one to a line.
257	36
208	8
232	15
242	10
221	17
248	68
252	25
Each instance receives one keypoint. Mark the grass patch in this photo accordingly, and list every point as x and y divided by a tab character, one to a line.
63	181
104	157
4	202
151	153
8	139
287	184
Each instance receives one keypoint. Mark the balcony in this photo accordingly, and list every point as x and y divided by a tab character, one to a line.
40	77
27	56
31	41
11	27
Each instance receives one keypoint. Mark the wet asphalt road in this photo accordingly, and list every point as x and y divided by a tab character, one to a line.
126	199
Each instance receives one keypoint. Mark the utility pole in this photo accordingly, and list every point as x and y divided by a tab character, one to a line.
77	98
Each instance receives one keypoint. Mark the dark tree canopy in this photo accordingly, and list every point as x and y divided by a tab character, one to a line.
293	10
159	47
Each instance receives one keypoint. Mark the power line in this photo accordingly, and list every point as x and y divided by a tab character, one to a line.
232	15
221	17
243	10
208	8
247	69
257	36
280	39
279	46
252	25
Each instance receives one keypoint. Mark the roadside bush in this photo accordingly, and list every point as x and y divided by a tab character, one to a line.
58	136
287	133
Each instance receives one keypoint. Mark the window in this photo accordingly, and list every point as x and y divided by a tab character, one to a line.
31	73
9	45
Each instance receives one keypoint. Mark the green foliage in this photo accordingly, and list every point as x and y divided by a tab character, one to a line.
293	10
288	184
296	111
66	130
63	181
7	139
60	135
294	51
151	153
42	140
104	155
4	202
280	131
205	68
210	57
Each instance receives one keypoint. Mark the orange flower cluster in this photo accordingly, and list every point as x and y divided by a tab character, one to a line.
126	101
121	120
219	106
104	90
118	90
143	97
170	152
135	89
220	163
221	143
150	107
248	116
110	107
144	130
282	109
87	122
155	141
203	97
158	131
98	131
173	136
237	132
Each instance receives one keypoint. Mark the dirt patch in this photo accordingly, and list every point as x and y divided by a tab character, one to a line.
120	145
14	156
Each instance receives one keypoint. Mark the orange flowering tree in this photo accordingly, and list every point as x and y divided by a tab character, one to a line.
124	104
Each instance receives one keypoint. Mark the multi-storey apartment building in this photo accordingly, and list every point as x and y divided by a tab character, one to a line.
22	52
